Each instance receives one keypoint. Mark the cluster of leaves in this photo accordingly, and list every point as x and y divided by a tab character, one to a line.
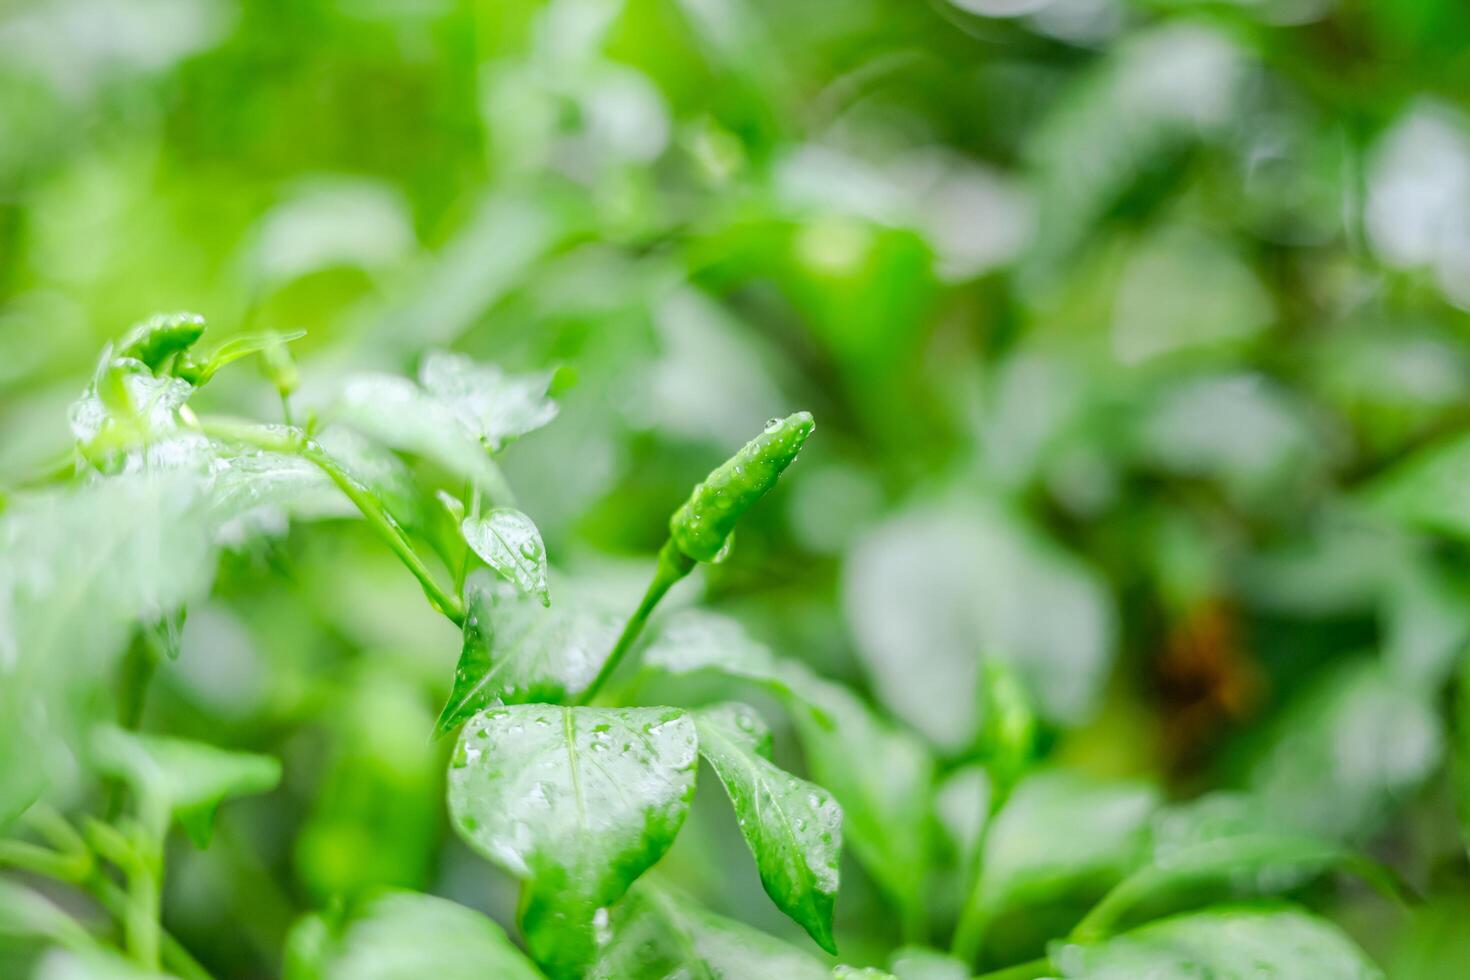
576	800
1137	332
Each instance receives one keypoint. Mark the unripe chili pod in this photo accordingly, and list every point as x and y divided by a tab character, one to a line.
702	524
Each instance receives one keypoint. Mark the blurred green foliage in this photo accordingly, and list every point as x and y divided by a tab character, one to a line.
1136	332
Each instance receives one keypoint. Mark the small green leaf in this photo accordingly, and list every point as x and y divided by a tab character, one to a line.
395	412
187	778
494	406
271	343
508	542
1230	943
159	337
516	650
395	935
844	972
793	827
577	802
657	934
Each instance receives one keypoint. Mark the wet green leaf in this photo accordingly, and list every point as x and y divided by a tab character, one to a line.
508	542
516	650
160	337
494	406
395	412
577	802
793	827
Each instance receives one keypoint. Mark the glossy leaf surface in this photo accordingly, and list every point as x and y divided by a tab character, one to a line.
577	802
793	827
508	542
516	650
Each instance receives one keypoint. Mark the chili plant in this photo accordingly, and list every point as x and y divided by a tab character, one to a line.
561	775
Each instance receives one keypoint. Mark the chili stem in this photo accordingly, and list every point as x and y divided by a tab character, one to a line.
673	565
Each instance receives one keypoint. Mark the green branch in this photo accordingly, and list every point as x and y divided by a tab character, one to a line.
673	565
293	441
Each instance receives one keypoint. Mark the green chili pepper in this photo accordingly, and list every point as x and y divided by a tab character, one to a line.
160	337
701	526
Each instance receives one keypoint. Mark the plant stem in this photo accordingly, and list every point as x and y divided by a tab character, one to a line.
388	529
73	863
969	932
294	441
914	924
1029	970
42	861
178	959
497	487
673	565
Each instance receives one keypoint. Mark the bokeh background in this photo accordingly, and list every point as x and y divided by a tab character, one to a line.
1119	318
